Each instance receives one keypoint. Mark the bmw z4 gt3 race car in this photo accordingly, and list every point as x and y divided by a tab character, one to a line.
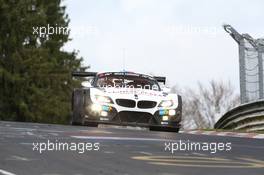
125	98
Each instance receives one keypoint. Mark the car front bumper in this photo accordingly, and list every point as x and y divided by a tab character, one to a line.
109	115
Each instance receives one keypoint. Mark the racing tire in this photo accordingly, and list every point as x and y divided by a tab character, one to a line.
77	107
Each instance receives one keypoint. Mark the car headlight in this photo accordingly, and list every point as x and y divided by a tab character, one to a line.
103	99
166	103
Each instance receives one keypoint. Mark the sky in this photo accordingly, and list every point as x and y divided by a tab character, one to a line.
180	39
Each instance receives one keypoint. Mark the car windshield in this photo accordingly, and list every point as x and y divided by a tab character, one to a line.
127	81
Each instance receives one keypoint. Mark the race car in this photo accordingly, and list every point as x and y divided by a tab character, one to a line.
125	98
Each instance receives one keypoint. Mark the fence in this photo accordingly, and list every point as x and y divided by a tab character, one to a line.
250	115
251	54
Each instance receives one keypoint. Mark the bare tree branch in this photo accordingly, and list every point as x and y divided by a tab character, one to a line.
204	106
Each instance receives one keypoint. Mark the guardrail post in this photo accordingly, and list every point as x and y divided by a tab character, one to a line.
260	69
242	73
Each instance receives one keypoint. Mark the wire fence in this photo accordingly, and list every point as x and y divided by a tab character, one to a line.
251	67
251	55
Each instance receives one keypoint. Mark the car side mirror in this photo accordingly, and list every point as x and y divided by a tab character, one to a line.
86	84
166	89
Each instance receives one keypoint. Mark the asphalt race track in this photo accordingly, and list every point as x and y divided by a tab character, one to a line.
120	151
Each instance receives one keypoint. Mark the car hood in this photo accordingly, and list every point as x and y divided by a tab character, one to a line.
133	94
129	93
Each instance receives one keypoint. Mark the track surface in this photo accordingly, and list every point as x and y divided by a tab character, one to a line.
122	151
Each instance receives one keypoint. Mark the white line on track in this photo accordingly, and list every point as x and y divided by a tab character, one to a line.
29	129
96	131
46	130
4	172
122	138
33	129
109	152
53	134
29	133
146	153
24	143
260	136
198	154
19	158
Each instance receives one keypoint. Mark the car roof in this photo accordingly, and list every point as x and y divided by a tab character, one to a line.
126	73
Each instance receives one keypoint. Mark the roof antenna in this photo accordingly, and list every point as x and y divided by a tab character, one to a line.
124	59
124	68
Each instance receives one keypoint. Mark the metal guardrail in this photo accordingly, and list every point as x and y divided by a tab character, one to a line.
249	117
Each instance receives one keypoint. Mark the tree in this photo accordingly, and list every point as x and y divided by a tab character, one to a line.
204	106
35	71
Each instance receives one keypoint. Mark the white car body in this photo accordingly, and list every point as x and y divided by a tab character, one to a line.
127	93
129	104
